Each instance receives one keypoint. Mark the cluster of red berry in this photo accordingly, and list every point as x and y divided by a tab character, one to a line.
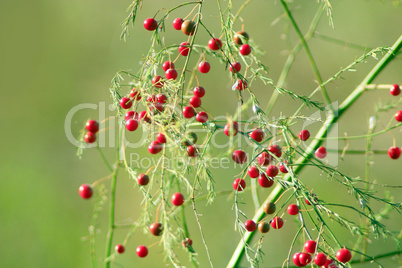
394	152
301	259
93	127
269	160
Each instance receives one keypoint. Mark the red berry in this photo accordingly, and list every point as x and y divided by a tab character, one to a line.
398	116
282	167
276	150
171	74
135	95
177	22
330	264
155	147
277	223
343	255
321	152
188	112
253	172
239	37
394	152
162	98
131	115
257	135
131	124
241	84
304	135
250	225
156	228
152	98
272	171
395	90
143	179
119	248
202	117
187	242
296	260
195	102
192	151
92	126
245	49
293	209
126	103
314	199
90	137
142	251
144	116
184	49
320	259
156	107
199	92
161	138
177	199
150	24
304	258
264	181
235	67
167	65
239	156
215	44
204	67
85	191
310	246
157	81
231	129
264	159
239	184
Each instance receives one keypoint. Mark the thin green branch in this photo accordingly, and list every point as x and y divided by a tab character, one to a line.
356	151
340	42
112	206
377	257
309	55
104	158
364	136
111	217
290	60
201	231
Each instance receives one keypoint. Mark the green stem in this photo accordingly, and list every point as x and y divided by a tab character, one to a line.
111	217
367	176
364	136
380	256
309	55
290	60
104	158
356	151
109	238
201	231
340	42
332	119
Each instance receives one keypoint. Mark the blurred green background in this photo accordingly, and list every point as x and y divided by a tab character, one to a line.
58	54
